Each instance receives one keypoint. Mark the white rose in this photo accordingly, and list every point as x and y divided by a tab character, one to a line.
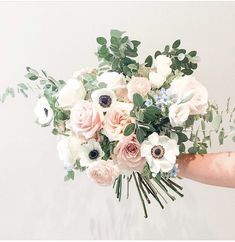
71	93
156	79
163	63
178	114
68	151
113	80
187	86
43	111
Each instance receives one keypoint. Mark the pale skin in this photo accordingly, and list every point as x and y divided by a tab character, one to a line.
216	169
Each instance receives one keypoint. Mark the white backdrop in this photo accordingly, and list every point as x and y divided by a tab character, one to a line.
35	203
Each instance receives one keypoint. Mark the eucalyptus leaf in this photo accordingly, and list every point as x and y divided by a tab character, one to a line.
138	100
130	128
176	44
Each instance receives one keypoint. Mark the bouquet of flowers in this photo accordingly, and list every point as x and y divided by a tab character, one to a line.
127	121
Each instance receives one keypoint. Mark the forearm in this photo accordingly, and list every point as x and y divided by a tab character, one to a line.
214	168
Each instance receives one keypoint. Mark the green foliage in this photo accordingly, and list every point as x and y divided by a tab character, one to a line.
140	134
130	128
69	176
181	60
118	56
149	61
138	100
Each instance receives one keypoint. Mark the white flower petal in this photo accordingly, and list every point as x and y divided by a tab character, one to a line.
71	93
153	138
165	165
156	79
155	166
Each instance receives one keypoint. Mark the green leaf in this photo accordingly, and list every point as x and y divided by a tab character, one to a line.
31	76
22	86
31	70
140	134
138	100
167	48
182	148
193	53
182	138
44	73
101	40
130	128
148	61
124	39
180	51
176	44
187	71
116	33
150	113
216	122
221	137
115	41
136	43
192	150
157	53
69	176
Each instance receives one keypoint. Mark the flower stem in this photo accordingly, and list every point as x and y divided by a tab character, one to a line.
141	197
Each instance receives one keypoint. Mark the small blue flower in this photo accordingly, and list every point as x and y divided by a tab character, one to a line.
174	171
149	102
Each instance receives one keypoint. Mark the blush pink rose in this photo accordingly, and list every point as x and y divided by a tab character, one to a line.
116	120
85	120
139	85
103	172
127	155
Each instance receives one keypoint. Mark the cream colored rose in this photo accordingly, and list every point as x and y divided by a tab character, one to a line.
187	86
178	114
128	156
139	85
103	172
116	119
156	79
68	151
71	93
85	120
162	64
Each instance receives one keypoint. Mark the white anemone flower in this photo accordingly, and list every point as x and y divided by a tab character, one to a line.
103	98
43	111
160	152
90	152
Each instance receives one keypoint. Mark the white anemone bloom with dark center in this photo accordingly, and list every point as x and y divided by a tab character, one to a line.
103	98
160	152
90	152
43	111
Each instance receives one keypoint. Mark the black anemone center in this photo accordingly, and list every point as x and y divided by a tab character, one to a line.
105	101
94	154
46	112
157	151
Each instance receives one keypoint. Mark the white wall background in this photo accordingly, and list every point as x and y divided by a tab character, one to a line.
35	203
